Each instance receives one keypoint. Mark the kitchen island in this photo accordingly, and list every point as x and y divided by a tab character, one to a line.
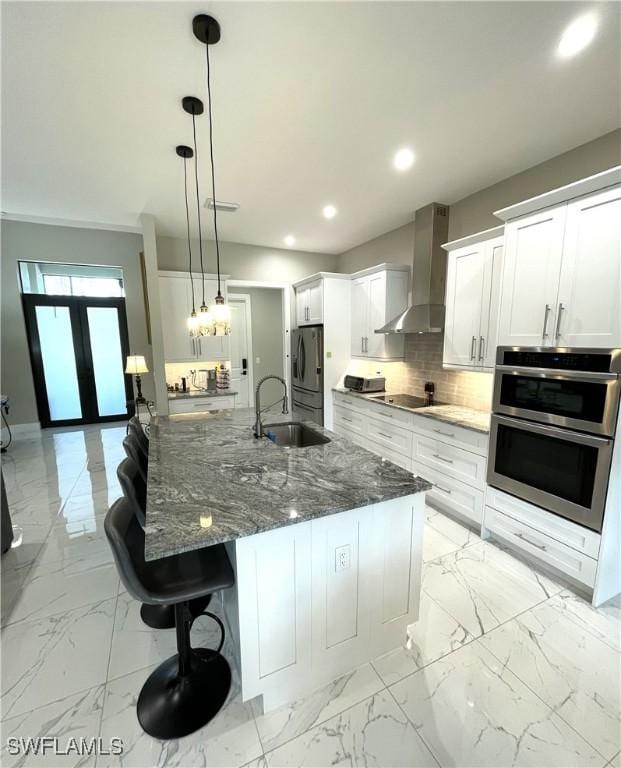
326	542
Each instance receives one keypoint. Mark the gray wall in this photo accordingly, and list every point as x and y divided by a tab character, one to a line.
41	242
475	212
267	333
244	262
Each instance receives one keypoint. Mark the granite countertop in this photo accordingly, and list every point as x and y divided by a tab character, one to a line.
459	415
200	393
210	480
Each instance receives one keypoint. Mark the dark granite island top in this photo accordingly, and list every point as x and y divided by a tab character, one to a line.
211	481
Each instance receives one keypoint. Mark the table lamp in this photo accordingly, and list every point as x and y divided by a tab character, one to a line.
136	365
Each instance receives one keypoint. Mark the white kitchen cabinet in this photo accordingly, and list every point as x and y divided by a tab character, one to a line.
472	294
378	295
589	296
196	404
532	263
176	302
309	303
561	283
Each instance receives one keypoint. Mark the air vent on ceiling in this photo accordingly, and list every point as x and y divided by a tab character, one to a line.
221	206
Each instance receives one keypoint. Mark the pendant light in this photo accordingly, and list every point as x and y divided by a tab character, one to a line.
194	106
186	153
207	30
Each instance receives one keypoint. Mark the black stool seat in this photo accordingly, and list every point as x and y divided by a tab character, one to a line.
156	616
133	451
135	428
187	690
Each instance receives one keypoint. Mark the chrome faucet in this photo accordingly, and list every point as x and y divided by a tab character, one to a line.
258	426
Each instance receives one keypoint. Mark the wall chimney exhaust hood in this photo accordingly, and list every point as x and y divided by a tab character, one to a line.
426	312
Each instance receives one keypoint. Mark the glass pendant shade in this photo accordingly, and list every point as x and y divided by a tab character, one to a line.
205	321
221	318
193	324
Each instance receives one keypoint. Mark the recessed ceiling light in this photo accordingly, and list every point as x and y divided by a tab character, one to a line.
403	159
289	240
329	211
577	36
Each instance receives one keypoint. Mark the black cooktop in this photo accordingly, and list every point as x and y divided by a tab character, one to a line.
406	401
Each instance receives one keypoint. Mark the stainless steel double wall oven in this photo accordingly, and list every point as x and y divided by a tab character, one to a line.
553	427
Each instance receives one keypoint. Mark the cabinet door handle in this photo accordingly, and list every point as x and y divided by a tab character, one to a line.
481	347
532	543
544	333
366	343
473	347
446	434
362	343
440	488
561	307
346	419
383	434
437	456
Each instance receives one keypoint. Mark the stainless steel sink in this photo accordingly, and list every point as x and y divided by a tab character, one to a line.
293	434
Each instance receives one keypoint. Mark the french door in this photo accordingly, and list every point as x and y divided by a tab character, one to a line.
77	349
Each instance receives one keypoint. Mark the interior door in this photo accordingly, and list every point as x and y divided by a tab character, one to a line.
78	347
589	300
241	373
464	297
531	275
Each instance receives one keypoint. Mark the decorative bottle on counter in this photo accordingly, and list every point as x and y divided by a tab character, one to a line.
223	378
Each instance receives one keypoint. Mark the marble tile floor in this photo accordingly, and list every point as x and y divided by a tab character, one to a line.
506	666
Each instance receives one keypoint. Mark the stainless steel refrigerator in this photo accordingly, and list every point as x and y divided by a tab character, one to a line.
307	373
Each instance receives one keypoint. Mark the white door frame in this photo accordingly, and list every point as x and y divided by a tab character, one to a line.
286	291
246	299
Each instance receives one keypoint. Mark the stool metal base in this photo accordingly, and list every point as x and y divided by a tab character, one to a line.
171	706
163	616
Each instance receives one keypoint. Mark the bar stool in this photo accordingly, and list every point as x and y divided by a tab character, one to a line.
133	451
135	427
187	690
135	491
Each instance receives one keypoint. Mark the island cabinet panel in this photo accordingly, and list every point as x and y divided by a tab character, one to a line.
316	599
274	603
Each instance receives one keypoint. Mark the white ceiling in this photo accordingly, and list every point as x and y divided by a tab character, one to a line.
311	101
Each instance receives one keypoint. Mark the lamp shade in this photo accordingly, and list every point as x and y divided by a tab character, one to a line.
136	364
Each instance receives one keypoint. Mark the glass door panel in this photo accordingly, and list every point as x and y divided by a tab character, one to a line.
105	339
59	362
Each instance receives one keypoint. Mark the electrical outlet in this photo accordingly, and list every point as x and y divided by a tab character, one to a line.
342	558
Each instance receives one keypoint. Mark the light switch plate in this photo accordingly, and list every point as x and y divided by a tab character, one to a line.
342	558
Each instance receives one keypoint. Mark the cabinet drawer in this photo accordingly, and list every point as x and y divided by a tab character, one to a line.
460	437
197	404
452	495
393	456
569	561
454	462
348	420
563	531
385	434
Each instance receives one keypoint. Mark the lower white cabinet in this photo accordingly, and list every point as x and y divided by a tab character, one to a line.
452	458
314	600
197	404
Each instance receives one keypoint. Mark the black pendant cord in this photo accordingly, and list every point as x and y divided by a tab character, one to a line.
187	218
198	207
213	173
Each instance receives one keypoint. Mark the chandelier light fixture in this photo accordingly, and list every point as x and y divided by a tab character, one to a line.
186	153
207	30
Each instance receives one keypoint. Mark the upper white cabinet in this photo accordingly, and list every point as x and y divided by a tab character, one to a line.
533	254
561	284
472	292
309	302
589	294
378	295
176	301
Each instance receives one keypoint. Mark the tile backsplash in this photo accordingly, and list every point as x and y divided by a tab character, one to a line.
423	362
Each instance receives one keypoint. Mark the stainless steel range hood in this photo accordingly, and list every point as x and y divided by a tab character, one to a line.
426	312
